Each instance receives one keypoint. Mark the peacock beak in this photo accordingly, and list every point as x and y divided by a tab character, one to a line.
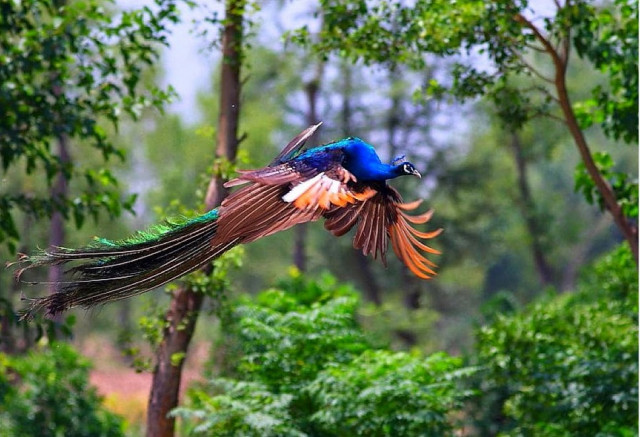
416	173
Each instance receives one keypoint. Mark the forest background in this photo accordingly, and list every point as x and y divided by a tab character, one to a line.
523	119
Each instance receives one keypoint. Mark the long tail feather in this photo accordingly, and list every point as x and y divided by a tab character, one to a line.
111	270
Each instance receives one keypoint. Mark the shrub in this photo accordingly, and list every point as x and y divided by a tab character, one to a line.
303	367
567	365
47	393
242	409
289	334
384	393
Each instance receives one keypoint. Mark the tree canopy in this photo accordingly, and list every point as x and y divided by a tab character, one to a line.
69	69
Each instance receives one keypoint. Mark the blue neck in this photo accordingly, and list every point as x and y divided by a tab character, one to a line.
364	163
372	171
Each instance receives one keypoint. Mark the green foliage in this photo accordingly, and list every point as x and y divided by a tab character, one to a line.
243	409
290	333
47	393
65	68
567	365
215	283
390	32
303	367
607	35
624	186
385	393
521	84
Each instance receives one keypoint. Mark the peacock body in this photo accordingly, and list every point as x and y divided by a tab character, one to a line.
344	182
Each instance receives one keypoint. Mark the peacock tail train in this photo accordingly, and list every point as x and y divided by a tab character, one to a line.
112	270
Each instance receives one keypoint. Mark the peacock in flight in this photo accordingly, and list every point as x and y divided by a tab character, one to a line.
344	182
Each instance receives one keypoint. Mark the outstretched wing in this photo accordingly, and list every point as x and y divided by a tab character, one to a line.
293	189
280	170
295	145
335	188
384	217
256	211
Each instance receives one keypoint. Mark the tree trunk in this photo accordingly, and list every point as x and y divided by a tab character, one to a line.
186	303
528	211
629	230
371	287
300	237
412	289
560	62
59	191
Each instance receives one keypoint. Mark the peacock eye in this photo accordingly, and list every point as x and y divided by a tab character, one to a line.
407	168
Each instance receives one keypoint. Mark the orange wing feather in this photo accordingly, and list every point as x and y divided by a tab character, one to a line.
325	192
381	218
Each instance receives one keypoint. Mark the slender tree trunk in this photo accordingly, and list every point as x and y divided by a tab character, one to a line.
560	61
528	211
58	192
347	94
412	289
629	230
371	287
7	319
393	116
300	238
186	303
165	389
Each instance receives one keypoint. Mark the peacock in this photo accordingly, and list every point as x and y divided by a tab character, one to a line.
343	182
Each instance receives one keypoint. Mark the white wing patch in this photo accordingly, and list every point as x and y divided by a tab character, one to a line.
323	192
299	189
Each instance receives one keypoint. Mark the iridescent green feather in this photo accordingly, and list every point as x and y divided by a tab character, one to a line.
109	270
156	232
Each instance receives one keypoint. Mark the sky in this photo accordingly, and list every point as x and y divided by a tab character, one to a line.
188	65
188	62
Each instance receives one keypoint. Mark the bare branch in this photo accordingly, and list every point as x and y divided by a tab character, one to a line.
533	69
560	65
536	48
550	116
543	90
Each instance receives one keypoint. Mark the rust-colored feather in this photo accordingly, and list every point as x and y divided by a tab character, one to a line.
257	211
380	216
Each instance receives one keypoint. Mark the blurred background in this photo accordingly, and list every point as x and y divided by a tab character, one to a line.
533	265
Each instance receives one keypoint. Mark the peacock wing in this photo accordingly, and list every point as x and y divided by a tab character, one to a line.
295	145
281	170
384	217
256	211
336	187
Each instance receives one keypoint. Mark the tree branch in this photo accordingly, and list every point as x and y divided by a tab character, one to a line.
543	40
629	230
533	69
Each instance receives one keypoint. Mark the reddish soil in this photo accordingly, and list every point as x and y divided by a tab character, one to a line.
125	391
